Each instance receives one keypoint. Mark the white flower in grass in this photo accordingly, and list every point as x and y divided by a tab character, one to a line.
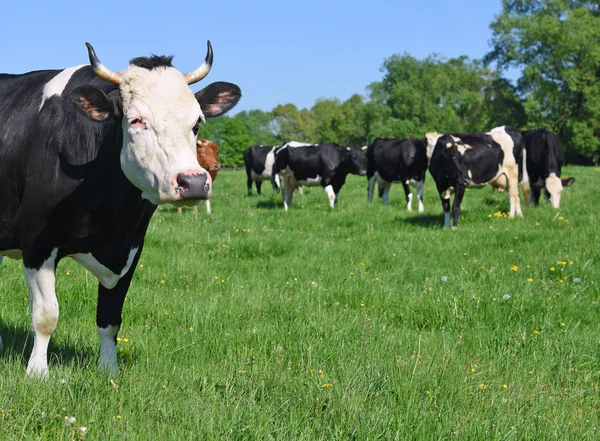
576	280
70	421
444	279
505	297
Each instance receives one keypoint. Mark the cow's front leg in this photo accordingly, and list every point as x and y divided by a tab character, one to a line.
108	321
371	188
420	186
330	195
288	192
408	195
445	197
44	312
513	192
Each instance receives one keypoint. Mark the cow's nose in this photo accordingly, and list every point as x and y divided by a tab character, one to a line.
218	167
194	186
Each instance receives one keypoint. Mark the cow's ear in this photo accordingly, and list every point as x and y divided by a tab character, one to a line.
218	98
568	182
93	103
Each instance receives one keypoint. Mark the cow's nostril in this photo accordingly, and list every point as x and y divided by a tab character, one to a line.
183	182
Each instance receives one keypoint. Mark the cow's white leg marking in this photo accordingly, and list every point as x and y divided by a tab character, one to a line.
105	276
512	176
330	195
420	185
208	206
57	85
288	191
44	312
409	203
108	349
371	188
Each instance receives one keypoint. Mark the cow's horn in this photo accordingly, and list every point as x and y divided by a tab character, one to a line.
101	70
204	69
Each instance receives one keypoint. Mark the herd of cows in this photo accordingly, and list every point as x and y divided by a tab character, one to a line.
501	158
87	154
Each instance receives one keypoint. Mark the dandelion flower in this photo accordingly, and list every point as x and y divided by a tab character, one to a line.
482	386
515	268
530	280
444	279
326	385
505	386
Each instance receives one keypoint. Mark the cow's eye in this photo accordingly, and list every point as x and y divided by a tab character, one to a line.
137	123
196	128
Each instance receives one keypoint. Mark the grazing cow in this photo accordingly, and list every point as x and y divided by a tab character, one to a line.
207	154
544	160
326	165
86	155
473	160
403	160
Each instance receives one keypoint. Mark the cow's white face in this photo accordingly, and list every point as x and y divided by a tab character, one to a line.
555	188
159	113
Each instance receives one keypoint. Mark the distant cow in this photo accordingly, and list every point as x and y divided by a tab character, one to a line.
390	160
326	165
259	160
466	160
544	160
207	153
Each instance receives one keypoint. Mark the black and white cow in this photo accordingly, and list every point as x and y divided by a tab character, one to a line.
86	155
544	160
403	160
259	161
466	160
326	165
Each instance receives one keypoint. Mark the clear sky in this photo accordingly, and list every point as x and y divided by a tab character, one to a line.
278	52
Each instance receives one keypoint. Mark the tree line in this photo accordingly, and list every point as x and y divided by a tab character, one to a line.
554	43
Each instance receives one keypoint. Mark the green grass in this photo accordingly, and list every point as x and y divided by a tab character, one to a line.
363	322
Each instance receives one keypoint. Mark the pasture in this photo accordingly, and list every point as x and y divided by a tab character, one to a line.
362	322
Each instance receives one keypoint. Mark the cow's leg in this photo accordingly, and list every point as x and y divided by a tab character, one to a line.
276	182
386	191
371	188
108	319
330	195
458	197
445	197
44	312
408	195
512	176
179	210
535	195
300	189
420	186
288	192
259	187
249	184
207	207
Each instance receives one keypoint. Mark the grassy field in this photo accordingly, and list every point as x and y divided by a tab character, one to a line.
363	322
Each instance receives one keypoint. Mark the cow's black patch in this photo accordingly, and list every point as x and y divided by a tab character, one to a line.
153	61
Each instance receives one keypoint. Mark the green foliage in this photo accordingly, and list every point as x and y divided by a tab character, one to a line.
557	44
230	135
364	322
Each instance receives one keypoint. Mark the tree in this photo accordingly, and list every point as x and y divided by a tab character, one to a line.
556	43
258	125
231	135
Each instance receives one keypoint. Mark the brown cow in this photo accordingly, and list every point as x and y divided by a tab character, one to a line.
207	158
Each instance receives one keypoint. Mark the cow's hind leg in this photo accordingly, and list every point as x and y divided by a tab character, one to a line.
420	186
44	312
259	187
371	188
445	197
512	176
408	195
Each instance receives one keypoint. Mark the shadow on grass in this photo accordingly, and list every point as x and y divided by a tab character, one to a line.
269	204
430	221
18	342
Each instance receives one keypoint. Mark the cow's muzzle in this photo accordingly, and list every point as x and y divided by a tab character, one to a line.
194	186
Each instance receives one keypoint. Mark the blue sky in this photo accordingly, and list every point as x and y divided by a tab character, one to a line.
278	52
